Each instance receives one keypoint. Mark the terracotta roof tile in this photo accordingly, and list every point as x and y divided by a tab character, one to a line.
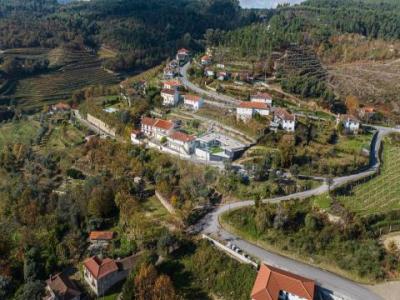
254	105
284	114
100	267
63	287
101	235
148	121
191	97
270	281
183	137
164	124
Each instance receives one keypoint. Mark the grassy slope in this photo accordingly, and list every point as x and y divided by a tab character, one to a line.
18	132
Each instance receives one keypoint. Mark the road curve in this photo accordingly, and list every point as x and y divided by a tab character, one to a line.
330	282
224	101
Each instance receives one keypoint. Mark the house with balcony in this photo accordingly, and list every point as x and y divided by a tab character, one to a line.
284	119
170	97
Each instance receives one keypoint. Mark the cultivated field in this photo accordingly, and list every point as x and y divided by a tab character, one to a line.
382	193
71	70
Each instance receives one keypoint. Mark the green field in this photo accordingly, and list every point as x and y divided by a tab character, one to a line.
382	193
18	132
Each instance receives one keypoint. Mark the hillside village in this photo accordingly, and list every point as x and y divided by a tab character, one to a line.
156	150
215	145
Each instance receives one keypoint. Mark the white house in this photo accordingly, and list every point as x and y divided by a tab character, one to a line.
156	128
286	120
193	101
181	142
350	123
182	55
102	274
246	110
172	85
262	97
169	72
170	97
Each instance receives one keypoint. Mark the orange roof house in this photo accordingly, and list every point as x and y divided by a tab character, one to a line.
254	105
271	283
182	137
100	267
101	235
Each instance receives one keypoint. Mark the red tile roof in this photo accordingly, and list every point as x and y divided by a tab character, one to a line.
183	137
168	91
148	121
63	287
270	281
101	235
183	50
62	106
100	267
254	105
164	124
284	114
262	96
205	57
172	83
191	97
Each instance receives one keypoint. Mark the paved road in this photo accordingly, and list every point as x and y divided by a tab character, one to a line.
328	281
224	101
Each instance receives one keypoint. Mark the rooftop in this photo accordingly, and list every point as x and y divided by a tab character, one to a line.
101	235
148	121
164	124
172	83
349	118
63	287
168	91
271	281
254	105
225	141
183	137
191	97
284	114
100	267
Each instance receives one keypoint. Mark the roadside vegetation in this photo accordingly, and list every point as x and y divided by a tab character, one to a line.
345	246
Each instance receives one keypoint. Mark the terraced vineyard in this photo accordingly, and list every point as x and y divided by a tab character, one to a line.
382	193
75	70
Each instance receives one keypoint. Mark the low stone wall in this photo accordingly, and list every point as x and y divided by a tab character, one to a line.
236	255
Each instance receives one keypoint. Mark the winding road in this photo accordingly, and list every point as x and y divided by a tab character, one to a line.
330	284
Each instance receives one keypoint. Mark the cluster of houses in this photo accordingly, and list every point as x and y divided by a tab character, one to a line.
171	96
172	68
261	104
164	135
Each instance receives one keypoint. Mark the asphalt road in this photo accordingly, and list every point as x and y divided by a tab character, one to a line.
224	101
328	281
